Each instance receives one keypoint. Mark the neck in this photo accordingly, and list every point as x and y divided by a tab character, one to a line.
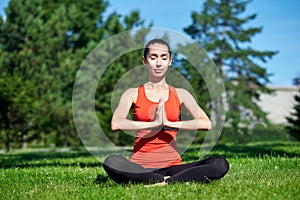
157	81
158	85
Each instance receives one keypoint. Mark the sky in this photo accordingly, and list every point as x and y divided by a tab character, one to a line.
280	20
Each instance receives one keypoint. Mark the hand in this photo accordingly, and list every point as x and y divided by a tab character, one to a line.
160	113
165	120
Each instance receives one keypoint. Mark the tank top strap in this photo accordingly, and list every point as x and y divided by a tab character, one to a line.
173	91
141	94
141	90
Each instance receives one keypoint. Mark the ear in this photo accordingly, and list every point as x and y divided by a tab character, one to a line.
170	62
144	60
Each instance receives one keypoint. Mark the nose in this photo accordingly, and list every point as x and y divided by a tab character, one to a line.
158	62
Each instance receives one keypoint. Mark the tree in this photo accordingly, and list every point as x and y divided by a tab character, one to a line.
42	45
116	70
221	29
293	120
17	105
296	81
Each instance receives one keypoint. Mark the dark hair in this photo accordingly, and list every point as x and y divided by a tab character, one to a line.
153	41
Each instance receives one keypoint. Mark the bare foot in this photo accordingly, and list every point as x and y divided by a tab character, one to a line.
159	184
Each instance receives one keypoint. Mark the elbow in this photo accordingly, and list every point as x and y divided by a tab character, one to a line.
206	125
114	128
209	125
114	125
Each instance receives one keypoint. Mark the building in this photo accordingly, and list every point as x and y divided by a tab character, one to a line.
279	104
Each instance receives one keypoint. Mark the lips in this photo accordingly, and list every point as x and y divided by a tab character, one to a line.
158	71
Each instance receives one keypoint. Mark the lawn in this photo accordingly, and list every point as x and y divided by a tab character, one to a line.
258	171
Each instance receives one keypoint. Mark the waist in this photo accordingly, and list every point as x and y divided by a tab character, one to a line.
161	158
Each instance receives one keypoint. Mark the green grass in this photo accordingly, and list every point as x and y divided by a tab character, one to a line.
258	171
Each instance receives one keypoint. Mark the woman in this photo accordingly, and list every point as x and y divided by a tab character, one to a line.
155	157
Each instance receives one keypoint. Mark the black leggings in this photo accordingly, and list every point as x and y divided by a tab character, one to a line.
123	171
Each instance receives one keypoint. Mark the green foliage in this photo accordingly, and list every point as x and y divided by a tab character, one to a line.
293	126
259	133
42	45
221	29
18	102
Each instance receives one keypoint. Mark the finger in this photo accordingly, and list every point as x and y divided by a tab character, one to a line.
159	108
161	103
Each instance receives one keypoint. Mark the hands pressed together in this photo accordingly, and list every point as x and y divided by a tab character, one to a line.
161	119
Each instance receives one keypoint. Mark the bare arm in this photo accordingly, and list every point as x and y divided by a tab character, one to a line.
200	120
119	119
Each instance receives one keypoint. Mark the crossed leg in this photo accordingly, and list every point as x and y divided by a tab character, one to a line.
123	171
204	170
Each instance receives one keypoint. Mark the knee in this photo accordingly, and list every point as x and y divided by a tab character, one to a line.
112	161
221	166
112	167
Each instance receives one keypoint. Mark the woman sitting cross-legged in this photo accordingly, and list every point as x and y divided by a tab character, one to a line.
155	157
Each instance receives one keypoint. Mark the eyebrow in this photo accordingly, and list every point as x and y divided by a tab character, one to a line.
154	54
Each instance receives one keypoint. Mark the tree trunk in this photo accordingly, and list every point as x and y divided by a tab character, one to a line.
66	139
24	140
43	137
7	146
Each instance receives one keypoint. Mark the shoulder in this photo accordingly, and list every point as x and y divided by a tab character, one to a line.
130	93
183	94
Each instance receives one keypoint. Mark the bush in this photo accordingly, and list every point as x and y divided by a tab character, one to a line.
258	134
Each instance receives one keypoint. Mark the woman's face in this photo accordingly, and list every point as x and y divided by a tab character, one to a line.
158	60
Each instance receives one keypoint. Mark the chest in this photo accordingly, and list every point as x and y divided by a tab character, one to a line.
147	102
155	96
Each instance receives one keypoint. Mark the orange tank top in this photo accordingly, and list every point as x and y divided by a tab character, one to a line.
156	148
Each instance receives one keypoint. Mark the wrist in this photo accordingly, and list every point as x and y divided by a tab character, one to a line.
169	124
156	124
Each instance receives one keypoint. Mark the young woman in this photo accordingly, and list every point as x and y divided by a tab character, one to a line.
155	157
